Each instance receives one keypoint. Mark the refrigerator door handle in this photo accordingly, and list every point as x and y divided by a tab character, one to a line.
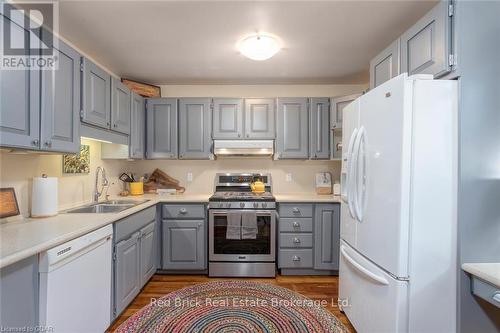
377	278
353	191
350	175
360	175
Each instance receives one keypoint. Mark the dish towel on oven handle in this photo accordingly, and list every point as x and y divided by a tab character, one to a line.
233	230
249	225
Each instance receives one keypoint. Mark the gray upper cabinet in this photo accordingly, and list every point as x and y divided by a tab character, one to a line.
96	100
259	118
184	245
336	115
326	236
227	118
137	126
120	107
161	128
127	272
195	128
425	47
19	102
292	126
60	113
319	128
385	65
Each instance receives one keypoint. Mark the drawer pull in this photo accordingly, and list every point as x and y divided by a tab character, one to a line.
296	224
296	210
296	240
183	211
296	258
496	297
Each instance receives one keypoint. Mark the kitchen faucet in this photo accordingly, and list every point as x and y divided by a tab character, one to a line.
105	182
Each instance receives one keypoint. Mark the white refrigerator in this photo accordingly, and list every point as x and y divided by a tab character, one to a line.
398	214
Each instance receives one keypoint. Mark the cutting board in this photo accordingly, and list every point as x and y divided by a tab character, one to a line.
8	202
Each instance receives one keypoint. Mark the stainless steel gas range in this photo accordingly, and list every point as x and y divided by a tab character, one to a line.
234	253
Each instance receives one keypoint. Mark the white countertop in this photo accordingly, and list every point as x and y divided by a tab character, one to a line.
28	236
489	272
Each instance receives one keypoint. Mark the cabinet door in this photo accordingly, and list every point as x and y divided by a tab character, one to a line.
137	126
319	128
60	130
161	129
127	272
259	118
19	100
385	65
195	128
96	97
336	115
148	253
184	244
227	118
120	107
293	134
326	236
425	47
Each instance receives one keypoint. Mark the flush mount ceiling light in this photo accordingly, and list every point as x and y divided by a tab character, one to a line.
259	46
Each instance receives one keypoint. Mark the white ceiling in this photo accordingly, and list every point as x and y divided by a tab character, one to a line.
193	42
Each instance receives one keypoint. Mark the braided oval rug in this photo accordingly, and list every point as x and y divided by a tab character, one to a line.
233	306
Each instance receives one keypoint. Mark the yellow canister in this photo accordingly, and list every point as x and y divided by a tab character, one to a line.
136	188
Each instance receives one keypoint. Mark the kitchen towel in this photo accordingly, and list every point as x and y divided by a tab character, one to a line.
44	196
249	225
233	230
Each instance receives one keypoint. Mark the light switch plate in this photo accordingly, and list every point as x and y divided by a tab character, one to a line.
288	177
190	177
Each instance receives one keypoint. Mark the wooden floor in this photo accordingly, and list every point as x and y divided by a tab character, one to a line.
314	287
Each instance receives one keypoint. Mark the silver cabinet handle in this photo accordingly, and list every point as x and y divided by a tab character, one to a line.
296	210
496	297
183	211
296	240
199	225
48	144
108	124
239	135
35	142
339	146
296	258
296	224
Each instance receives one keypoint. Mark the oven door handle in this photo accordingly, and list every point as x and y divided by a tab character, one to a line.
225	212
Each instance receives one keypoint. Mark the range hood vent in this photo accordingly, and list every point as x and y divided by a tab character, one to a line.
228	148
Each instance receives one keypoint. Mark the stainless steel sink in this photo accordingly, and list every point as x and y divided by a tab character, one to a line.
111	206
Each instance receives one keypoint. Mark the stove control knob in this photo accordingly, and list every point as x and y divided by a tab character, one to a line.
264	205
228	205
255	205
242	204
220	205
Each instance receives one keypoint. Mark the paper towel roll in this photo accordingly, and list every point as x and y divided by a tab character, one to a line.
44	197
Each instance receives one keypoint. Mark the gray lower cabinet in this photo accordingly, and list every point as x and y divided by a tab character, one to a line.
96	95
326	236
134	256
260	118
19	294
161	128
184	244
60	111
227	118
137	126
385	65
292	139
426	46
319	128
195	128
19	101
120	107
127	272
336	115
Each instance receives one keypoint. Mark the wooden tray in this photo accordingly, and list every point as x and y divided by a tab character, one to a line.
8	202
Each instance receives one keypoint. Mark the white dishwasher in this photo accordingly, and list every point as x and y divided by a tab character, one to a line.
75	284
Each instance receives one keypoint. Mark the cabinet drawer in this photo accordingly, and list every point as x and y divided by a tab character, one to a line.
296	224
296	240
295	210
183	211
127	226
295	258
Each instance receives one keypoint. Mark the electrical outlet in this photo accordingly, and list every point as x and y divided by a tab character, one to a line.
288	177
190	177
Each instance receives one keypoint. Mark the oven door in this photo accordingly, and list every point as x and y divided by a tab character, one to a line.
260	249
